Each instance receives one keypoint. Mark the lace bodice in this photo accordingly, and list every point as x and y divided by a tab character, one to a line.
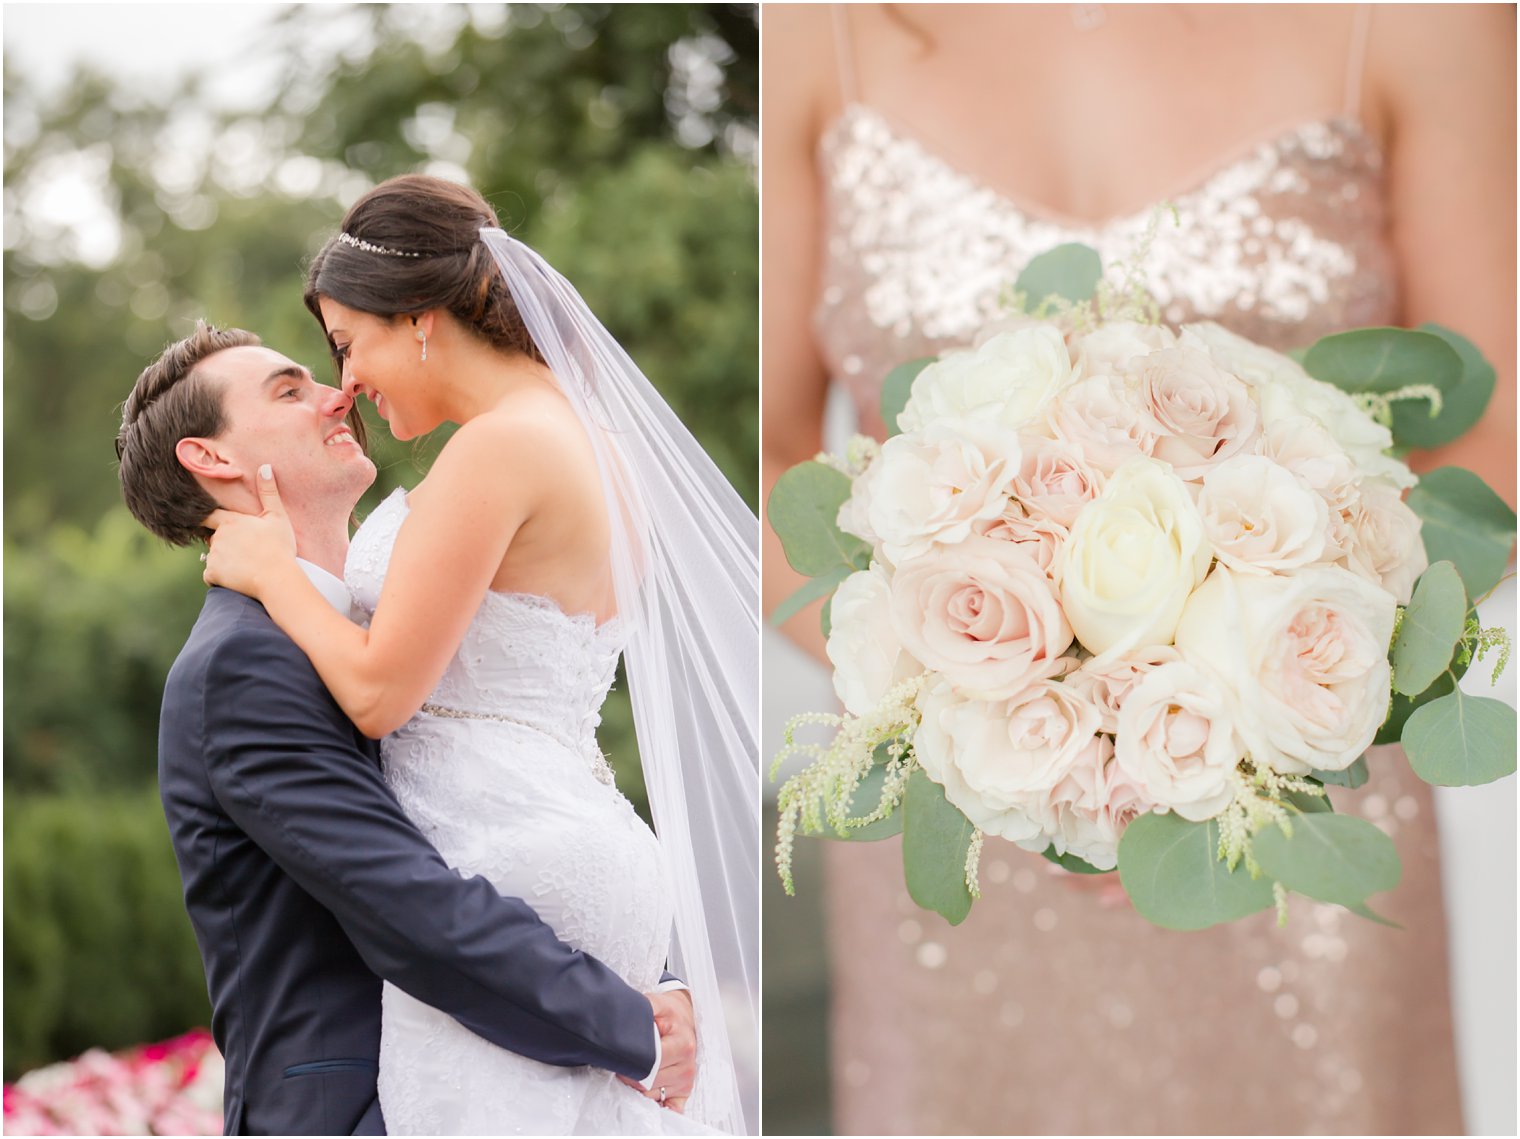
523	658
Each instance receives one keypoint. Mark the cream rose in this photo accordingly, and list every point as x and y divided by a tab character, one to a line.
1135	554
1204	414
1177	740
1303	446
867	657
1303	659
1385	543
983	614
1007	380
1000	760
932	485
1260	518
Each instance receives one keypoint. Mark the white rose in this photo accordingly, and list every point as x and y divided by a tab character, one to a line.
1104	417
983	613
1055	480
1256	365
1177	740
1113	347
1304	447
867	657
1260	518
1135	554
999	760
1106	681
1303	657
1385	542
1007	381
932	485
1204	414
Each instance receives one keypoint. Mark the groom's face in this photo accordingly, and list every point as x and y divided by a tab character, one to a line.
277	414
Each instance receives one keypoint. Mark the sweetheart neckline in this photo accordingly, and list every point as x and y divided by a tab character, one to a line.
545	603
1189	187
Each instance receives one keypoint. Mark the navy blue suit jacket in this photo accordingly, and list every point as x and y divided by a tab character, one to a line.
306	885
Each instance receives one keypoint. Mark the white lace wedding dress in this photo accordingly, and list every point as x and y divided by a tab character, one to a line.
501	772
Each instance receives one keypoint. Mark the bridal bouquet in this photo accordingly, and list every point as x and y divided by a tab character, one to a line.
1136	598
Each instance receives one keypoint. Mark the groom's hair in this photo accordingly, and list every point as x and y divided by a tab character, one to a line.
173	399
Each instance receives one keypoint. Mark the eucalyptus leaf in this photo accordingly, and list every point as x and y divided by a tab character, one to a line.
1171	871
826	618
1461	406
1430	630
1070	861
1071	271
1309	804
896	389
1384	360
802	510
1400	708
1334	858
936	837
1466	523
823	586
1363	912
1352	777
865	800
1461	741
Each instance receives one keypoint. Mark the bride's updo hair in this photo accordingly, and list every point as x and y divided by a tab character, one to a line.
413	244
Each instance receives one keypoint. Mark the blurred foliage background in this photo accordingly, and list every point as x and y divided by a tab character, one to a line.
619	140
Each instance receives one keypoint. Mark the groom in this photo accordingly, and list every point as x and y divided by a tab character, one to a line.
305	882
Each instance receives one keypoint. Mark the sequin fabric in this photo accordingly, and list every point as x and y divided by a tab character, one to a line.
1049	1011
1281	245
502	779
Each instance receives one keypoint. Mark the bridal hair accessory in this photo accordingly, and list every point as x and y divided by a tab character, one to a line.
371	247
685	559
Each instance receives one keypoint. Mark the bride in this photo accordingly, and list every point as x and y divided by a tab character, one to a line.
570	518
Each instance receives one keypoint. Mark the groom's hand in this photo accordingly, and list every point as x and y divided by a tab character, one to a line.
676	1023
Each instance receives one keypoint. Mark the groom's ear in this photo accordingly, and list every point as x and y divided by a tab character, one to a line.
206	460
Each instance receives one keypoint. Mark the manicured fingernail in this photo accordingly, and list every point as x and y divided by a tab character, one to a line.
266	472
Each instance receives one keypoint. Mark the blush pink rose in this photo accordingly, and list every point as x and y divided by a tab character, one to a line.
983	614
1204	414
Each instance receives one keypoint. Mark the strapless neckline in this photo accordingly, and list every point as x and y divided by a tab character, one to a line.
1351	131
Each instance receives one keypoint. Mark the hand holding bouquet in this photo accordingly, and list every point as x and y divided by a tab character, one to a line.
1134	598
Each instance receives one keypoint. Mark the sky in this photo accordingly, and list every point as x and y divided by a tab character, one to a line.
151	44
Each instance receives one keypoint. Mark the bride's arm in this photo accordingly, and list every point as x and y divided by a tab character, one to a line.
1444	78
486	483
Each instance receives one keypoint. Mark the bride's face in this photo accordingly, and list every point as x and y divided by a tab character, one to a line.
382	359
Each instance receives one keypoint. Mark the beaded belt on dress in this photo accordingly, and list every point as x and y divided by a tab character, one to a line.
600	768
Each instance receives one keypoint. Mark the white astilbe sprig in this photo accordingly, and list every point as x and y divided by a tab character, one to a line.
1260	801
1379	405
974	863
822	792
859	454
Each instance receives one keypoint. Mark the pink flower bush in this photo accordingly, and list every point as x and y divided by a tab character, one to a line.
173	1087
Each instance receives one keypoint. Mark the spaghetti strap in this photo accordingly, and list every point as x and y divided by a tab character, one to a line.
844	49
1361	27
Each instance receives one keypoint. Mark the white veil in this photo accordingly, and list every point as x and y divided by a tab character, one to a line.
685	557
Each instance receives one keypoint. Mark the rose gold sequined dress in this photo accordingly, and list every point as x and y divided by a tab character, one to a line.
1046	1011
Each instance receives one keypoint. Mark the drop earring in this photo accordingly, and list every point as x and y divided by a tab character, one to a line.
422	336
